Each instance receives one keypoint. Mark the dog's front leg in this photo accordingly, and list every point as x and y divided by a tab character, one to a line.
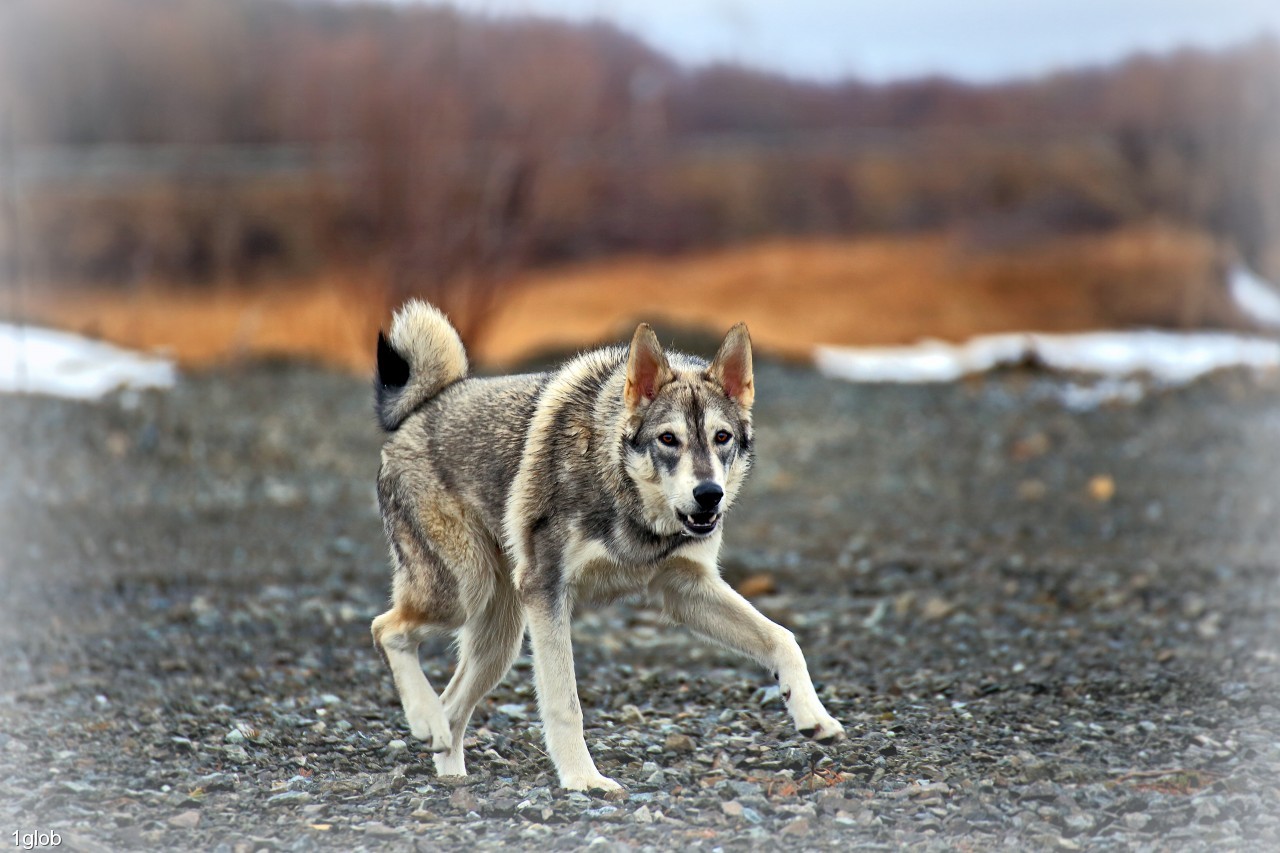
696	595
549	635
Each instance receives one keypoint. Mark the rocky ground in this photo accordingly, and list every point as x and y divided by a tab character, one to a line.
1043	628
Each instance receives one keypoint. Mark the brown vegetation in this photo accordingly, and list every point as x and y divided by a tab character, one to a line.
793	294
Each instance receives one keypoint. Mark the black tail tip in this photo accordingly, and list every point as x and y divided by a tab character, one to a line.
393	368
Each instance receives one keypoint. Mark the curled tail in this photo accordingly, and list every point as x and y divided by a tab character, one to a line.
421	356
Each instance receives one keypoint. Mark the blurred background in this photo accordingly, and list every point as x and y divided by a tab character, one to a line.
220	178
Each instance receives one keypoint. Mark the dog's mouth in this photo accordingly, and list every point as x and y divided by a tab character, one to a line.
699	523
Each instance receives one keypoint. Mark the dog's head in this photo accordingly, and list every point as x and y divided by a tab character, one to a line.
689	431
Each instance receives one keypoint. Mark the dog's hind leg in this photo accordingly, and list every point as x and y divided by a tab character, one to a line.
397	634
487	646
424	600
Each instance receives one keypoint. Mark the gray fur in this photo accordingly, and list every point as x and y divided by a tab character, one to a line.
505	500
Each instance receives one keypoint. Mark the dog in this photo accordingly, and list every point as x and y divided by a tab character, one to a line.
507	500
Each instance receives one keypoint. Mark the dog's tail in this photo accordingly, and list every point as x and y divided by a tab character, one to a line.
422	355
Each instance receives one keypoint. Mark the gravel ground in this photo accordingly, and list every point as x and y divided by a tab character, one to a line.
1043	628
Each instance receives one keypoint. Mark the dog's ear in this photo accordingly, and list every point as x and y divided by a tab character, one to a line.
731	367
647	368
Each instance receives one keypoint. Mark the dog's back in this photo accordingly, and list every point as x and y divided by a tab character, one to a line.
468	439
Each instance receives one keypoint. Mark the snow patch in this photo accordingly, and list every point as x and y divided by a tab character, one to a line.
1085	397
34	360
1167	357
1254	295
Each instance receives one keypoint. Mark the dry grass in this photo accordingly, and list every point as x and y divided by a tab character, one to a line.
793	294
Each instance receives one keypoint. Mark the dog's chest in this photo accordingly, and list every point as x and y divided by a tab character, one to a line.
595	574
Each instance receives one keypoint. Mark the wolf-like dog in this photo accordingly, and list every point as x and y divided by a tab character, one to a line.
506	500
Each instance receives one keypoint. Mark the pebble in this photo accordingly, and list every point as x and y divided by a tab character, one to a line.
799	826
380	830
678	743
216	782
515	712
464	800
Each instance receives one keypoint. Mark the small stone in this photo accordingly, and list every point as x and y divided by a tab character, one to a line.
396	747
935	609
1136	820
463	800
679	744
757	585
234	736
289	798
643	815
1206	810
1032	490
732	808
515	712
216	782
1102	488
799	826
632	716
1079	822
189	819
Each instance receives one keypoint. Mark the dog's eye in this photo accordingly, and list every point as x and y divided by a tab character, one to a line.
723	437
669	439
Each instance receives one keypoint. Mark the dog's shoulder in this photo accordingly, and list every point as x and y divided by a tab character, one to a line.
583	377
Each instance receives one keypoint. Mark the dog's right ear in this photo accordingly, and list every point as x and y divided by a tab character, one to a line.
647	368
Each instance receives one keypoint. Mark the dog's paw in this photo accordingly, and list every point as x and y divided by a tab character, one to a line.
449	763
822	728
432	732
591	782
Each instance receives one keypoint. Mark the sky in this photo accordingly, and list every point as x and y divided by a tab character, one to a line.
976	40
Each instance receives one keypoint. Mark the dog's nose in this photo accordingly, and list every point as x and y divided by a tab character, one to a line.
708	495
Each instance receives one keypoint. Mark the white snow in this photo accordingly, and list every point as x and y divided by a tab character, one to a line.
1254	296
35	360
1167	357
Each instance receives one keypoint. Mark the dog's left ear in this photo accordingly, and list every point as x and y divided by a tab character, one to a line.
647	368
731	367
